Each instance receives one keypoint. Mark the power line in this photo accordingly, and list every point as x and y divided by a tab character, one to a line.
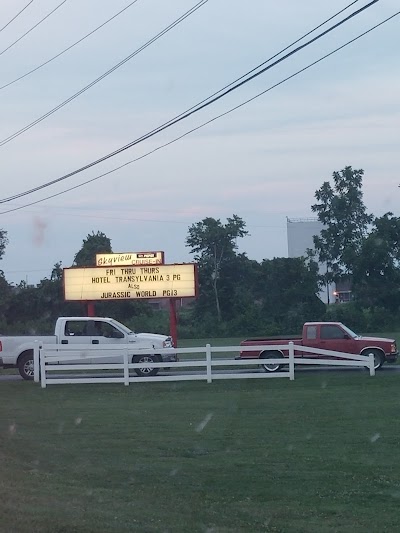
208	121
129	5
138	219
115	67
16	16
69	47
33	27
43	117
270	58
25	271
194	109
67	213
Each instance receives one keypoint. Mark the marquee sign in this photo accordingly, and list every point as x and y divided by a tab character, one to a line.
128	283
133	258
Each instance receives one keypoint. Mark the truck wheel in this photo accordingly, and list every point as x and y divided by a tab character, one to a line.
25	366
271	367
144	372
378	358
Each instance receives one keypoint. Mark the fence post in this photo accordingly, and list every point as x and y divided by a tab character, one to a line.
291	361
42	367
36	362
126	369
371	364
208	360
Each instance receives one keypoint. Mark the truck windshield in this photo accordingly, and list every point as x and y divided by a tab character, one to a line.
349	331
120	326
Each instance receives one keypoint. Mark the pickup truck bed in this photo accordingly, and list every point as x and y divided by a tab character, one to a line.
288	338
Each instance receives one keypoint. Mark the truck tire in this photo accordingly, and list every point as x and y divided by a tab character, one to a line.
25	365
271	367
145	372
379	358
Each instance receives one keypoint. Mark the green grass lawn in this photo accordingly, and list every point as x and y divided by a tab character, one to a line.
315	455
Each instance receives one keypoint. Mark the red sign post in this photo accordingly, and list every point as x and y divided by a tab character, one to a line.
173	321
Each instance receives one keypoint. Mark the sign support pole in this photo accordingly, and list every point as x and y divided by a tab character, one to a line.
90	309
173	322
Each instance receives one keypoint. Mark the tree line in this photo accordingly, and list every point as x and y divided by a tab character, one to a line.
239	296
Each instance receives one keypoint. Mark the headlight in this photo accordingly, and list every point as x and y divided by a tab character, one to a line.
168	343
393	347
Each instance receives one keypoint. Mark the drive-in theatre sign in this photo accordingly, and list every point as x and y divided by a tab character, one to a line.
133	258
130	282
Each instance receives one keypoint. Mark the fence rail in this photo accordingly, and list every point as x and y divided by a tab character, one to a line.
66	358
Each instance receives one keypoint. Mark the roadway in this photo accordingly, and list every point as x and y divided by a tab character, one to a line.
314	369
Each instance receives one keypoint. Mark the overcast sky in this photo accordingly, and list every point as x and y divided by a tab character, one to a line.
263	162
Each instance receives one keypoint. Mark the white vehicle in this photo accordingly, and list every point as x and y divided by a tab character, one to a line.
17	352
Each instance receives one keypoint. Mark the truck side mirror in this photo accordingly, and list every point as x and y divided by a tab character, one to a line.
346	336
117	335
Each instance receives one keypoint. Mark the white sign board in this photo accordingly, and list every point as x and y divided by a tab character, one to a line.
127	283
133	258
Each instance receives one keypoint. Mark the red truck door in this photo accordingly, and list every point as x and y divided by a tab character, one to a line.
331	337
310	338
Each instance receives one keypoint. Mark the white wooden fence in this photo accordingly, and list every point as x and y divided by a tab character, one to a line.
66	358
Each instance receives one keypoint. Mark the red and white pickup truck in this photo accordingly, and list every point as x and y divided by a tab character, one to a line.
333	336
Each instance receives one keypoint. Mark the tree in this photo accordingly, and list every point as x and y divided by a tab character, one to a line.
240	314
342	211
215	245
50	292
99	243
287	292
34	309
24	308
3	242
376	280
5	296
5	288
96	243
50	295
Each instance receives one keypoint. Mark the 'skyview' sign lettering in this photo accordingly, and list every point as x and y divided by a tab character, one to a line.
127	283
134	258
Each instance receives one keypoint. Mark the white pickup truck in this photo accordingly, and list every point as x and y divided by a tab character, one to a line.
18	351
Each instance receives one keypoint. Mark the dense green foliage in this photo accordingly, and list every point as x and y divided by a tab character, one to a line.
376	279
96	243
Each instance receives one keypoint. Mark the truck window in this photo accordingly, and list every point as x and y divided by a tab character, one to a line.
331	332
104	329
98	329
75	328
109	331
311	333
